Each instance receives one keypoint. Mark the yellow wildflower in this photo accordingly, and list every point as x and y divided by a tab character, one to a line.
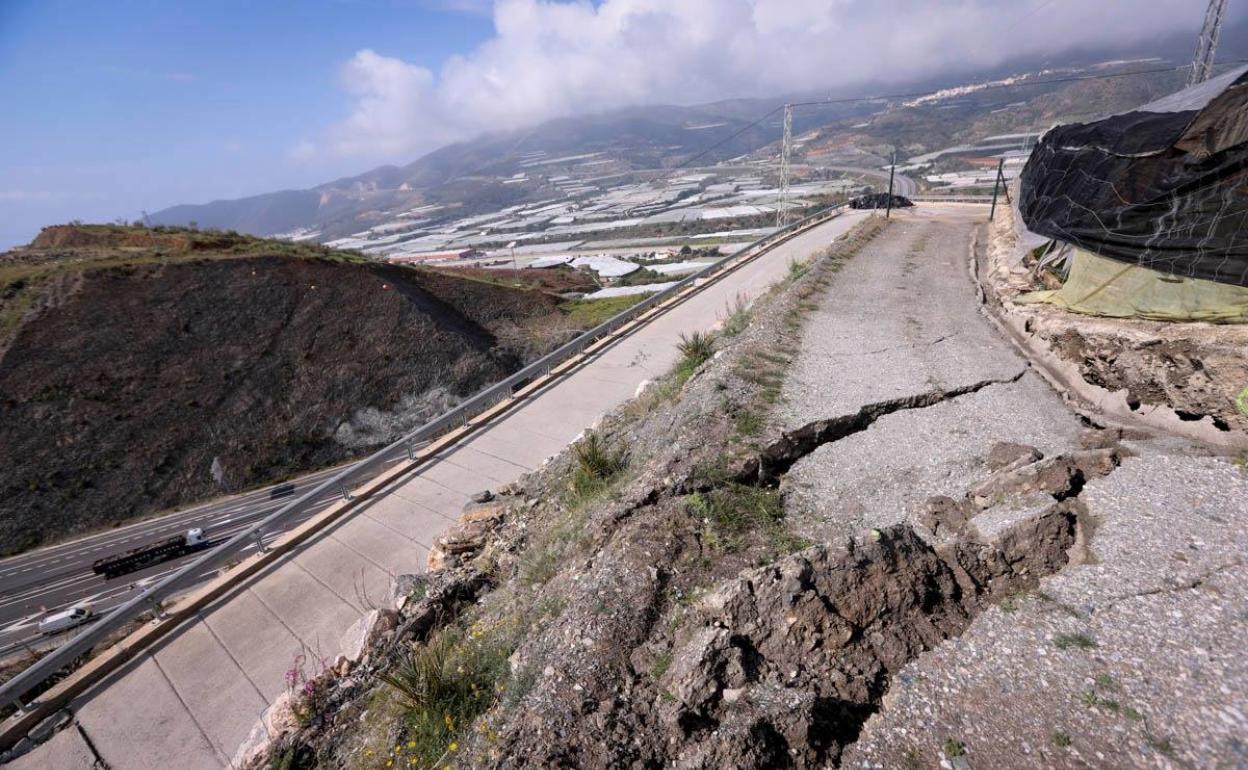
454	746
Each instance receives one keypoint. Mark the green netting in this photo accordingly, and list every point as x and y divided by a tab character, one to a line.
1105	287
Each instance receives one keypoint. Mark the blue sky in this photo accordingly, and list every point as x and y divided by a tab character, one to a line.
114	107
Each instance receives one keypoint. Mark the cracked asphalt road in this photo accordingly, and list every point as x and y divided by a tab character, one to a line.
1131	656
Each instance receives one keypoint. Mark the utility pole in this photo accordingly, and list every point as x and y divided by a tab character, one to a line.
786	149
996	187
1207	46
892	168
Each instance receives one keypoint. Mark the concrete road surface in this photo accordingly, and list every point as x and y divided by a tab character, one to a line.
191	700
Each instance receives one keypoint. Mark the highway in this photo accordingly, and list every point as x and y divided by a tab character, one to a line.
58	576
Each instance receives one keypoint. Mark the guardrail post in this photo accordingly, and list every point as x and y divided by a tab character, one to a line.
346	493
411	451
158	609
258	538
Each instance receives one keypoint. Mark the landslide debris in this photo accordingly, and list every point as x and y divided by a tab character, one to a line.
142	369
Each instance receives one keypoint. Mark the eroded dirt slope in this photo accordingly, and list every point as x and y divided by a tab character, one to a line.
125	382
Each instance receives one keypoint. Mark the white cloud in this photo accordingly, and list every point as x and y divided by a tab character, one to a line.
548	59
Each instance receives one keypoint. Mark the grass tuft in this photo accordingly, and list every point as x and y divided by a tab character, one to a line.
695	350
597	465
443	686
1078	641
954	748
731	512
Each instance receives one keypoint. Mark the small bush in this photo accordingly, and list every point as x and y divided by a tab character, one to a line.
736	316
596	466
662	663
695	350
954	748
749	423
1061	739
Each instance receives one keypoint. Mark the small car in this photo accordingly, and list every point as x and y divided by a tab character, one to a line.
65	619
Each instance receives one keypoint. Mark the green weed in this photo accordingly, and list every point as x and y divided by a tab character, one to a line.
695	349
444	685
1078	641
731	512
954	748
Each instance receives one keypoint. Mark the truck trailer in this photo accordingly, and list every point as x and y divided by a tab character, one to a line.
147	555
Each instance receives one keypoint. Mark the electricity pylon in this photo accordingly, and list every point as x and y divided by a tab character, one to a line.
786	149
1202	65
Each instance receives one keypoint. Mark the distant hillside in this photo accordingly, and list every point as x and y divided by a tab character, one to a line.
469	176
132	360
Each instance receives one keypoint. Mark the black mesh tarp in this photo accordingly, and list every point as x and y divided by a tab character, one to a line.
1164	186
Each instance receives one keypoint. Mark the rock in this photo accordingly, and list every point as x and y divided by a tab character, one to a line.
491	512
404	586
278	720
364	632
1007	455
1109	438
944	516
469	535
484	496
1061	476
788	661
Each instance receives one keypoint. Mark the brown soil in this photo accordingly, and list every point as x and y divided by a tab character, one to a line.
124	382
555	279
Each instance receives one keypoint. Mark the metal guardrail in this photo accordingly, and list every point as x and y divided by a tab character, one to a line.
950	198
150	598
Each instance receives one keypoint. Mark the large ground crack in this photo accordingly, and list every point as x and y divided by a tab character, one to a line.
791	659
776	459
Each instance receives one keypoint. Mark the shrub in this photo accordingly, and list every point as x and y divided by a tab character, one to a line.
596	465
695	350
444	685
736	316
